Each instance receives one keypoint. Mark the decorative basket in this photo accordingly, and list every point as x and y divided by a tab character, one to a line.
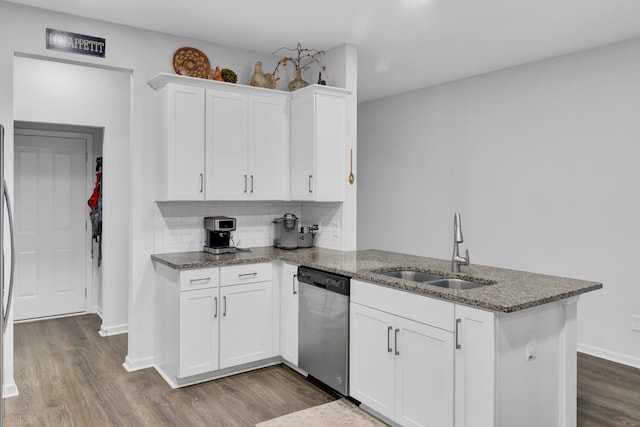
189	61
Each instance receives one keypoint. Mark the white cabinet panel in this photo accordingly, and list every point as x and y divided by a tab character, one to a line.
372	358
289	287
268	166
302	148
475	367
246	325
199	278
246	273
198	332
226	145
181	160
424	375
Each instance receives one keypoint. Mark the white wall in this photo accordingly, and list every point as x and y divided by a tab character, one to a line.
542	161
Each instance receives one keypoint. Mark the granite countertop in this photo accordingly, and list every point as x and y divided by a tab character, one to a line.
510	290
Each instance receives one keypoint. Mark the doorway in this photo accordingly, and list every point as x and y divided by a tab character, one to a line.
53	177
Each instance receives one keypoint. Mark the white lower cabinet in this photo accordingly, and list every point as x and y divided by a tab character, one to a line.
401	368
402	355
212	319
289	313
246	327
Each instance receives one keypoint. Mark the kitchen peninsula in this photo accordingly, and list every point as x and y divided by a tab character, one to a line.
499	354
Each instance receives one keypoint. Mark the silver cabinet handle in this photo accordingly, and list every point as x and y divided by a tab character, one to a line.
13	255
202	280
243	275
389	349
201	182
251	183
293	284
245	183
310	189
397	349
215	302
224	312
458	321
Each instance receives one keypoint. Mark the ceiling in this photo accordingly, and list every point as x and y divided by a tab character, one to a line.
402	44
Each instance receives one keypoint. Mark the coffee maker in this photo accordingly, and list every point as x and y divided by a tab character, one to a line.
285	232
218	234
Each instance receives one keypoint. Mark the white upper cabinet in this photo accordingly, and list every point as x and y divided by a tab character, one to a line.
247	144
181	147
318	144
221	141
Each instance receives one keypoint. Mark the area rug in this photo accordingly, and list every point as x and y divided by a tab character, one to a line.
333	414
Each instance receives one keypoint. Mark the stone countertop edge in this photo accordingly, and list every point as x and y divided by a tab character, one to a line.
509	291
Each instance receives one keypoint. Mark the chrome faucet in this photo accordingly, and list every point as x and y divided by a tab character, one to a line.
456	259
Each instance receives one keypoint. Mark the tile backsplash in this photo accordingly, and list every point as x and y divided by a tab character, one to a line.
178	226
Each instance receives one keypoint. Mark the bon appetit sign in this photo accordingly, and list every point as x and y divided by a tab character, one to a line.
75	43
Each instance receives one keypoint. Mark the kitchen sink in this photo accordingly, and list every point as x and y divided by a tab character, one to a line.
455	284
416	276
427	278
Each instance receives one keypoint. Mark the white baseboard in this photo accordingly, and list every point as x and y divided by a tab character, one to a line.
10	390
137	364
113	330
609	355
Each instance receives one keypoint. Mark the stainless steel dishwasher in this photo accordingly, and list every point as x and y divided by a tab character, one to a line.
323	333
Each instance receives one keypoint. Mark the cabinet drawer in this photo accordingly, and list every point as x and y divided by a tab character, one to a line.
245	273
199	278
423	309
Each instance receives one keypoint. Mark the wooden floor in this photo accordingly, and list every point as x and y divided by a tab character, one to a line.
608	393
68	375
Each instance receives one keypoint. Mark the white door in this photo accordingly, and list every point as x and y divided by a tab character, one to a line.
50	218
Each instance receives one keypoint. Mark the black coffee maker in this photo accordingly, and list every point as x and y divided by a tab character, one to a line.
218	234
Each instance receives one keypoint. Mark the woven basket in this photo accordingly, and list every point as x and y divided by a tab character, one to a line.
189	61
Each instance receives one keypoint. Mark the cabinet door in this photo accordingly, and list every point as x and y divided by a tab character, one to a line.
246	325
474	367
424	374
302	147
289	314
226	146
372	358
198	348
268	148
330	149
183	155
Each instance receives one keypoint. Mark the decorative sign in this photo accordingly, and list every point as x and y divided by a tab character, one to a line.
75	43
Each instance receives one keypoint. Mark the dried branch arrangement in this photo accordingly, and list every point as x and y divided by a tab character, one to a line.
302	59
